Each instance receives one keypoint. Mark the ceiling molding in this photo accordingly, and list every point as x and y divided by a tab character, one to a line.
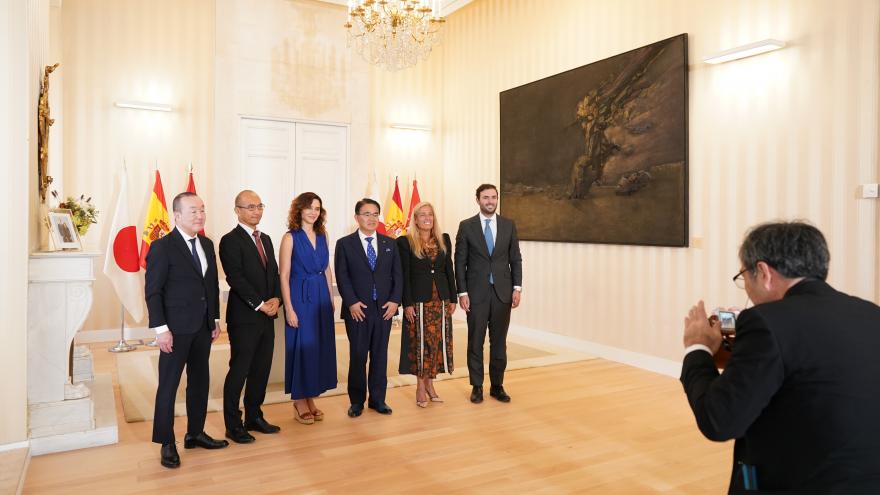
448	6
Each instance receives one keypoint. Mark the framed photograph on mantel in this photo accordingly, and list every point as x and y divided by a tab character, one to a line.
62	230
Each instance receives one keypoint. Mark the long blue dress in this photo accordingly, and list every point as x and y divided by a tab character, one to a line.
310	364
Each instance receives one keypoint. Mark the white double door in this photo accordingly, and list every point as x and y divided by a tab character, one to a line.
282	159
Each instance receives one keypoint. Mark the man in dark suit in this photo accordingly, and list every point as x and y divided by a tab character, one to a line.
370	280
183	299
488	271
254	297
801	391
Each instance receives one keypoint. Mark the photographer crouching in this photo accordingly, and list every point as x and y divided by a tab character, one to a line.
801	391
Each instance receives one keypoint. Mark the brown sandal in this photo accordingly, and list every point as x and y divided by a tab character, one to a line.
318	415
306	419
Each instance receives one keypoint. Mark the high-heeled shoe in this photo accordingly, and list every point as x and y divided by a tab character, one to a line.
421	403
434	398
318	415
306	419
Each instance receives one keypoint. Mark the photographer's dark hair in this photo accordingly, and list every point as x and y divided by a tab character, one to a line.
794	249
483	187
175	203
366	201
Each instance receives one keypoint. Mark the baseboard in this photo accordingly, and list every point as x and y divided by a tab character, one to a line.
14	446
647	362
112	335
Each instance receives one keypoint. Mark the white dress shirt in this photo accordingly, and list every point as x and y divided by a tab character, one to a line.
364	243
204	261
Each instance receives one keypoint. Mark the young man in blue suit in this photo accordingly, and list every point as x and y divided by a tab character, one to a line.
370	280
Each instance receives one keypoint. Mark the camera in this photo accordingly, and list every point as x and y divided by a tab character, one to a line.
727	319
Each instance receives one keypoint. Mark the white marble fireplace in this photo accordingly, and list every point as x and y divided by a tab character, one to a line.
63	414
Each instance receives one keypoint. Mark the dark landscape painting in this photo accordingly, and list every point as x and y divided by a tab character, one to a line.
599	153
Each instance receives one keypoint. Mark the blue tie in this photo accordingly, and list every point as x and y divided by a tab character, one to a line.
195	254
371	258
490	245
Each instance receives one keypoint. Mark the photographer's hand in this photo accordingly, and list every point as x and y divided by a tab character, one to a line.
698	329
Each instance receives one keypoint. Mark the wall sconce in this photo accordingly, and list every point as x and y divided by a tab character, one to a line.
412	127
744	51
156	107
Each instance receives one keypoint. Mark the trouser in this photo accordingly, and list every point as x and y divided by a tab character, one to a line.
496	315
368	338
190	350
251	348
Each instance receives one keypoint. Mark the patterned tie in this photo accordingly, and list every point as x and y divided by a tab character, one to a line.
260	247
196	259
371	258
490	245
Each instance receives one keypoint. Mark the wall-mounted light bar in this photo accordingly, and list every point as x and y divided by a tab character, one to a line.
156	107
744	51
412	127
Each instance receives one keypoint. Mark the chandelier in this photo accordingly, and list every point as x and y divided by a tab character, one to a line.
395	34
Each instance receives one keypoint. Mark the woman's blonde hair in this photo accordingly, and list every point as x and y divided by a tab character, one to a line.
412	234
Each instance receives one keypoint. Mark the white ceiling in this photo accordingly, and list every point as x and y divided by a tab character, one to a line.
447	6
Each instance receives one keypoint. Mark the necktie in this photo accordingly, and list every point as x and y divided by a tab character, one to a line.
490	245
260	247
371	258
196	259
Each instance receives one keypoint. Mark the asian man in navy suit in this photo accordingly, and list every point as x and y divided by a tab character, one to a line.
370	280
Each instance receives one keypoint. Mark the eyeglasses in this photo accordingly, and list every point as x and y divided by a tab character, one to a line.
369	215
739	279
260	206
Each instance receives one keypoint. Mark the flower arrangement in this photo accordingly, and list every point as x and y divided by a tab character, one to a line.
84	212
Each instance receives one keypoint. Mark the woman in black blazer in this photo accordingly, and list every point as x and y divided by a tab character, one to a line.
428	300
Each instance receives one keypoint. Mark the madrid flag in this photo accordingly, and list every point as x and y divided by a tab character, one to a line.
121	265
191	187
156	225
394	222
414	199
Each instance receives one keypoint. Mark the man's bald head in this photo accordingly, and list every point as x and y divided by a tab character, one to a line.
249	208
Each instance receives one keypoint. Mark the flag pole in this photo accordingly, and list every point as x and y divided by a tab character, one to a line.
122	345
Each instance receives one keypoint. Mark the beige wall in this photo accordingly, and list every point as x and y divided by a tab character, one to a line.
787	134
157	51
285	59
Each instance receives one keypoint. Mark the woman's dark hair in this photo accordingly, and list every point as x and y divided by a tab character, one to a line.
300	203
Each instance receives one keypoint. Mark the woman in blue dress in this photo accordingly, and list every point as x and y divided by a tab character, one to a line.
310	359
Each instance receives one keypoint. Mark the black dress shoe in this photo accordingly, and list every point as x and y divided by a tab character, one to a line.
202	440
261	425
355	410
239	435
170	459
499	393
381	408
477	395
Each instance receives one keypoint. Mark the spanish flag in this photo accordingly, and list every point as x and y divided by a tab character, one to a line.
156	225
394	221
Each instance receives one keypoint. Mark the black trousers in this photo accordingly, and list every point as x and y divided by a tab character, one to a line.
368	338
251	348
190	350
496	315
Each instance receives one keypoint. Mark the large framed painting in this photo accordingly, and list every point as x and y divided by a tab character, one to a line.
598	154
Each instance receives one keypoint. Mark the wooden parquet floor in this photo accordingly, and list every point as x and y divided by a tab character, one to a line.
588	427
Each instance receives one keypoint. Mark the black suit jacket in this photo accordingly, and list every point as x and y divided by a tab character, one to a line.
801	393
177	294
420	274
250	284
473	263
355	280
